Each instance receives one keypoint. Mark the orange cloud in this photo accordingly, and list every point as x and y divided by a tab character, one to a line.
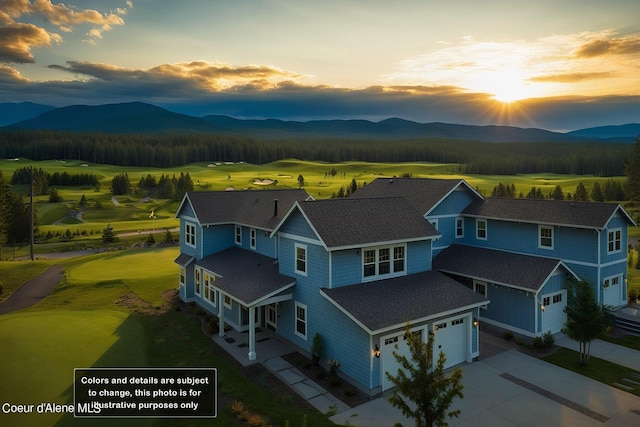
17	39
572	77
629	45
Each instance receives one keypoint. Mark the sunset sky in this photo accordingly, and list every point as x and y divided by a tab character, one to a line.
558	65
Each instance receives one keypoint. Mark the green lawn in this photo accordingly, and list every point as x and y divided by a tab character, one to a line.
598	369
628	340
84	323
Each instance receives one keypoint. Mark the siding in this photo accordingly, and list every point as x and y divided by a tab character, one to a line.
454	203
216	238
298	225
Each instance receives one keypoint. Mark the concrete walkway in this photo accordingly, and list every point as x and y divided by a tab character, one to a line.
33	291
614	353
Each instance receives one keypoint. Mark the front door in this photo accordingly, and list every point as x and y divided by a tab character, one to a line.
271	316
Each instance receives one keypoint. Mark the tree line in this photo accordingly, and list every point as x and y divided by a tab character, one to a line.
171	150
610	191
42	180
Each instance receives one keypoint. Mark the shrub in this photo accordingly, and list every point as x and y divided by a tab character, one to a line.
538	342
548	340
508	335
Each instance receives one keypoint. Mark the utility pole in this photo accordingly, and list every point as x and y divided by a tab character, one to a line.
31	217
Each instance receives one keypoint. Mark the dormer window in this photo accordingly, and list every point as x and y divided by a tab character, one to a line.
190	234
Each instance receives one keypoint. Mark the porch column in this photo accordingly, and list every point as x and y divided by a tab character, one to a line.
252	333
221	315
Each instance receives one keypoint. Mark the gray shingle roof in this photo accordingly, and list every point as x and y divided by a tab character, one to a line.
252	207
422	193
349	222
557	212
394	302
521	271
246	276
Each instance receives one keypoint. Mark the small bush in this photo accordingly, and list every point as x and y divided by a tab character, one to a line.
538	342
255	421
237	407
548	340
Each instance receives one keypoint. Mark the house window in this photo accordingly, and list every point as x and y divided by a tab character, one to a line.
545	301
182	279
398	258
615	239
197	282
459	321
481	288
459	228
379	261
190	234
227	301
557	298
238	235
301	259
252	240
481	229
209	292
545	237
301	320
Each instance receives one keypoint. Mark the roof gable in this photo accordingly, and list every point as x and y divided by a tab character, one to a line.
519	271
345	222
411	298
424	194
554	212
261	209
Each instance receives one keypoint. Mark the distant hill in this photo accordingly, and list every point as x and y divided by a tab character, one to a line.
12	112
627	132
132	117
138	117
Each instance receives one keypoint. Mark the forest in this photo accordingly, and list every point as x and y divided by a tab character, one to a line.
170	150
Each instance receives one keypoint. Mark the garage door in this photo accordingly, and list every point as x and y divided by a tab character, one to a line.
452	338
388	361
553	316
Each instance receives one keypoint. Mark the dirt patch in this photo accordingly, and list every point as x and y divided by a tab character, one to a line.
138	305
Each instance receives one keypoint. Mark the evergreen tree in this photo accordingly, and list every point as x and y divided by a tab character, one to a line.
632	171
586	319
597	195
557	193
581	193
54	196
108	236
120	184
424	391
300	180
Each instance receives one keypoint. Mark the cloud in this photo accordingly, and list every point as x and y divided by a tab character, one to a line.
573	77
629	45
17	39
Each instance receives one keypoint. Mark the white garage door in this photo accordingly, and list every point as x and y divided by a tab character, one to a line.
388	361
452	338
553	316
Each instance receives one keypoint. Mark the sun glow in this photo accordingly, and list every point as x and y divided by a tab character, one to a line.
506	85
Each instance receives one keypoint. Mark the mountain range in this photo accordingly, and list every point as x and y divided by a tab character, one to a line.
138	117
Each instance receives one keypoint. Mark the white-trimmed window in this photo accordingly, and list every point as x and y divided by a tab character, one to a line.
301	259
238	234
209	292
481	229
383	261
545	237
481	288
301	320
614	241
459	228
190	234
227	301
197	281
182	276
252	238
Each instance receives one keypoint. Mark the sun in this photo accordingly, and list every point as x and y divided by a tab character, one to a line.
508	86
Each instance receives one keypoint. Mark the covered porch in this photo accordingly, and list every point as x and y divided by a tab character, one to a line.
249	289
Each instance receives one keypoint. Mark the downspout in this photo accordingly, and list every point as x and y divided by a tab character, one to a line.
598	286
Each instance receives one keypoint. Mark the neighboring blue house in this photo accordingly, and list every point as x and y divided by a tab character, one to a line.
432	253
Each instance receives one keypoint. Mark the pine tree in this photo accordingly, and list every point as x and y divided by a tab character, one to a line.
632	171
424	391
597	195
581	193
557	193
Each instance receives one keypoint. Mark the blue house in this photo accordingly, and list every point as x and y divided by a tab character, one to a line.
431	253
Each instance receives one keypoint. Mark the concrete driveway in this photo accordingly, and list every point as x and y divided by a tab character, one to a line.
514	389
